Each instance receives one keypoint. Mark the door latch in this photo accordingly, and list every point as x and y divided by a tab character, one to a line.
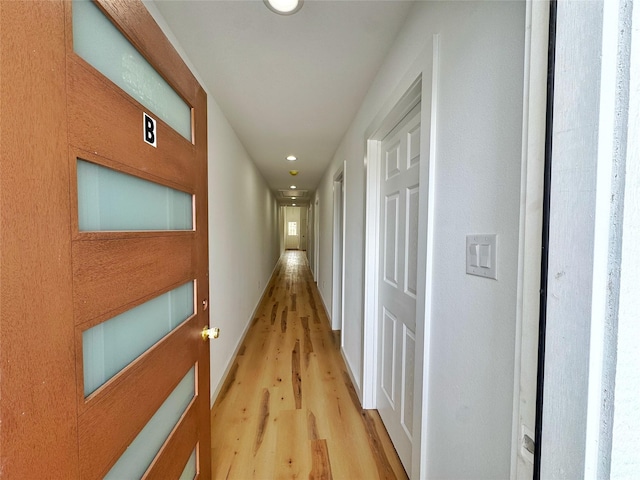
210	333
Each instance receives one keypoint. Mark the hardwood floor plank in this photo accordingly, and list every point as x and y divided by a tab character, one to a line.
264	417
283	319
312	426
296	378
308	344
293	452
288	408
320	463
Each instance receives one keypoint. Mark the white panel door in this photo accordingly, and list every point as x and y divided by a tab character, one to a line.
400	194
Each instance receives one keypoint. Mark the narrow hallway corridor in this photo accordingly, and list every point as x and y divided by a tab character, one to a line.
288	408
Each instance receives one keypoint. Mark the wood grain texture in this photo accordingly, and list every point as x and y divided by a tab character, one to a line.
110	274
38	433
264	417
320	462
115	112
274	312
315	427
296	377
308	344
201	260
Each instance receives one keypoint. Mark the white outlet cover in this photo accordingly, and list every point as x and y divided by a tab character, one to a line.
482	255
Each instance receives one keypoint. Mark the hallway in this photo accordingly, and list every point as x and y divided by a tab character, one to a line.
288	408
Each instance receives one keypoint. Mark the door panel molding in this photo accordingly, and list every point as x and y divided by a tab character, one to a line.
114	111
108	421
172	464
111	276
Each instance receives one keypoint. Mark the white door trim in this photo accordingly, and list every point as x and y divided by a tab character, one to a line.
337	301
316	237
419	84
530	235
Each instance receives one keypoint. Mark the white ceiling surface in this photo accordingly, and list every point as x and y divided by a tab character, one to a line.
287	84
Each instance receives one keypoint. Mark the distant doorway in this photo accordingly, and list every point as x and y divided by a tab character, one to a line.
292	228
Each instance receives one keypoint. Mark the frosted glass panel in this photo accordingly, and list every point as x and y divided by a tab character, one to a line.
190	469
101	44
109	347
109	200
139	455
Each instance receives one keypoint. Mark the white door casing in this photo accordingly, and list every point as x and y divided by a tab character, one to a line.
530	241
419	85
337	311
316	238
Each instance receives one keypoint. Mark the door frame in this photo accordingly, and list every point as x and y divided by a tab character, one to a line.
530	235
339	210
34	177
288	214
316	237
420	84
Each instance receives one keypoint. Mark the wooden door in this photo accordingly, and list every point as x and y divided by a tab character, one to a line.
397	288
63	280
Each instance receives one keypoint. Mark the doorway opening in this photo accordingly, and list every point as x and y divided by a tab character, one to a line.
295	225
398	244
337	311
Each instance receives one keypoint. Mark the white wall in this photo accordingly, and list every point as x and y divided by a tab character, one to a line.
625	455
477	191
244	240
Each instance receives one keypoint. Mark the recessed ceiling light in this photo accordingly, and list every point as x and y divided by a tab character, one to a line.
293	204
291	158
293	187
284	7
293	173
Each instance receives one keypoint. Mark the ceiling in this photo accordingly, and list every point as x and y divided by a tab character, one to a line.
289	85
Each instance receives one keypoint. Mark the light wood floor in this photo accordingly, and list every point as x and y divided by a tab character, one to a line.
288	408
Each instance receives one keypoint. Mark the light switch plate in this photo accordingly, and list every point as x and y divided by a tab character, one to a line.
482	255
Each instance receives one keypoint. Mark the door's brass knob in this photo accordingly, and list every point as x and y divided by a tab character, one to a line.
208	333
